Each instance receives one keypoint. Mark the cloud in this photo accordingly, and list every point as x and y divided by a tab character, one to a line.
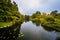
28	6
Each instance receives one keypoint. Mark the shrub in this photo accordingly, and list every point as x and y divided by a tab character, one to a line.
49	19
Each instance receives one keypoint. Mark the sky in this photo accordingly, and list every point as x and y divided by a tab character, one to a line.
28	7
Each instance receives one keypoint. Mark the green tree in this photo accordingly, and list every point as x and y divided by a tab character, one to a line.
9	10
54	13
37	14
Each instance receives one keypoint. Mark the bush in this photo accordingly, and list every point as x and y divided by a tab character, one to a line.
49	19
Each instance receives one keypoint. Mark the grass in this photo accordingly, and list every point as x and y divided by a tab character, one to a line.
5	24
2	24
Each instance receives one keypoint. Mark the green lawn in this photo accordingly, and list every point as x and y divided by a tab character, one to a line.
2	24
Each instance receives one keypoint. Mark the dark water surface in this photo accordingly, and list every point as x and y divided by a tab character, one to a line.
34	32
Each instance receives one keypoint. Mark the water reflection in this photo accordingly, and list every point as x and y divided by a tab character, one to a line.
33	32
37	23
10	33
30	30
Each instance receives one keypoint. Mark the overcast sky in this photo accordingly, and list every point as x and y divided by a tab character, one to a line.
29	7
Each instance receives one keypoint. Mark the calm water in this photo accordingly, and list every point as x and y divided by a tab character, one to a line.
33	32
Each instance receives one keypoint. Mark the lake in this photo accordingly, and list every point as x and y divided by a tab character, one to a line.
32	31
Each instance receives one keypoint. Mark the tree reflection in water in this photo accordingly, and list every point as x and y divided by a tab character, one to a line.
33	32
37	23
10	33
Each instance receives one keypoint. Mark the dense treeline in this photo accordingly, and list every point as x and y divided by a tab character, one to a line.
51	20
8	11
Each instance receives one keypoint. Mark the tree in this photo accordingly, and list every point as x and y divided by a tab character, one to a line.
54	13
8	10
33	16
36	15
27	17
14	3
38	12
